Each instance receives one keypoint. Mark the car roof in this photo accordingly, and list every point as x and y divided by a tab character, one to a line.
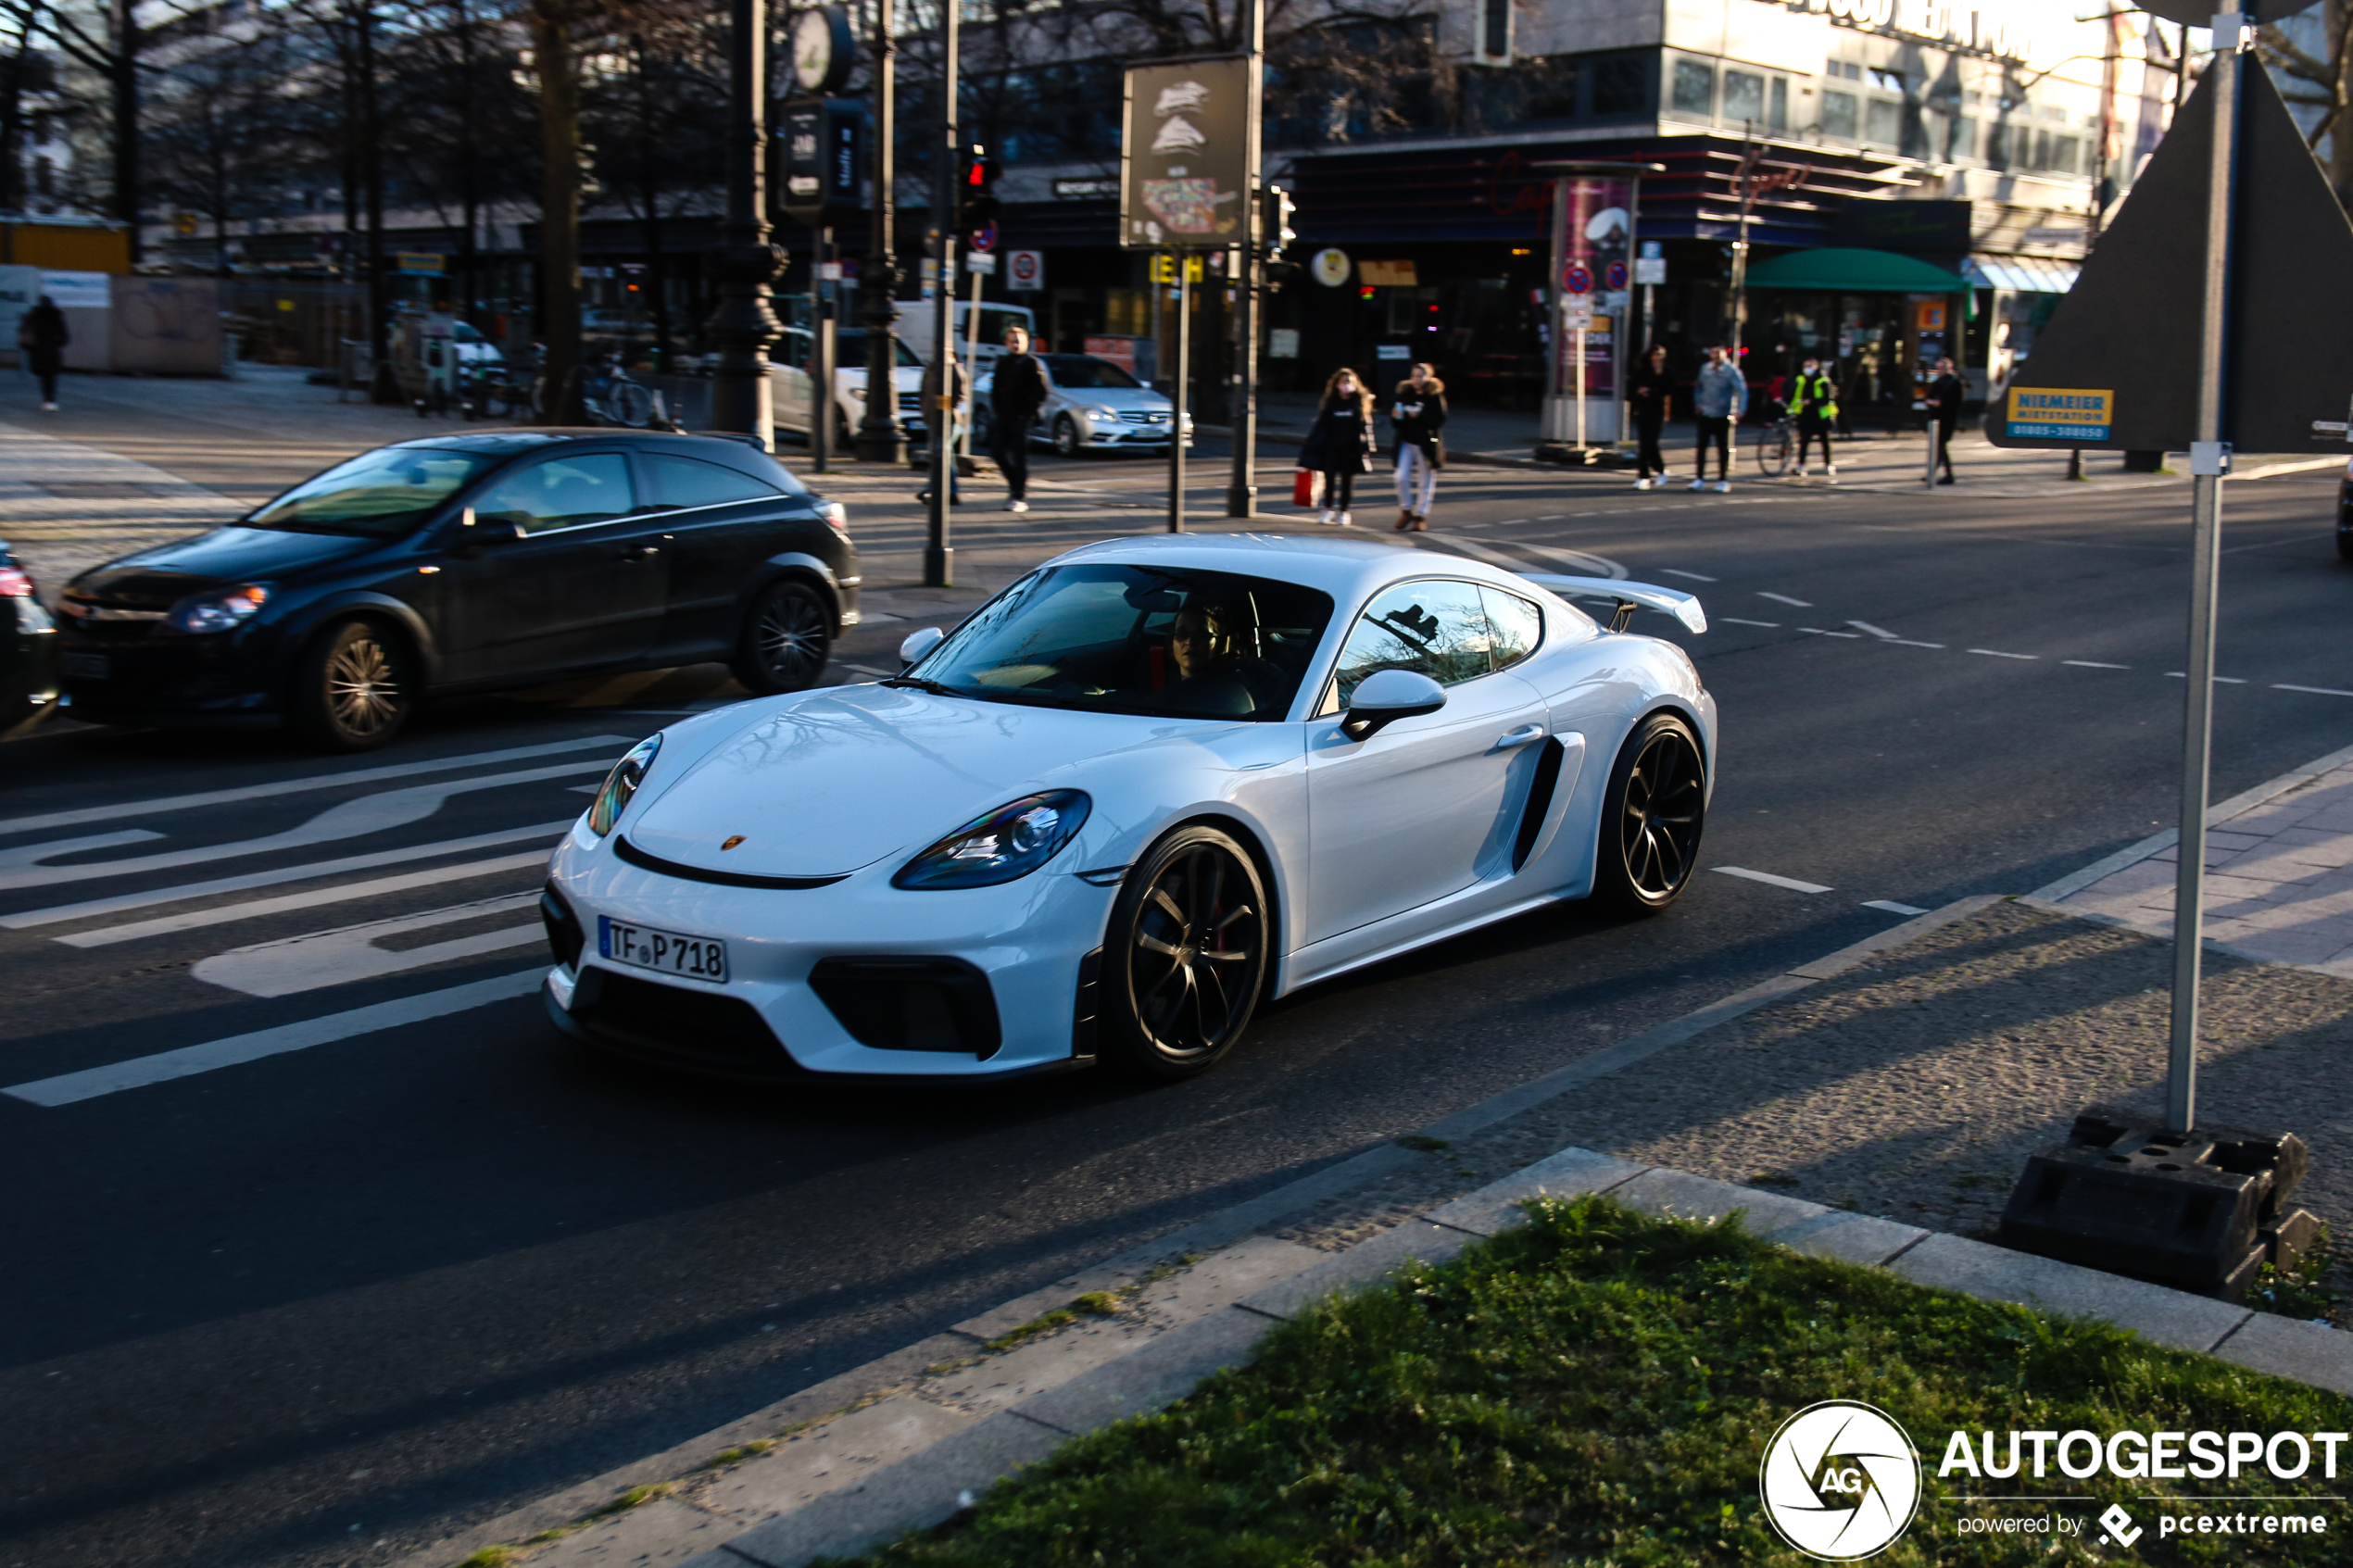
1349	569
523	438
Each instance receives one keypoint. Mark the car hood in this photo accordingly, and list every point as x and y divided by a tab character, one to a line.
225	554
1143	399
838	779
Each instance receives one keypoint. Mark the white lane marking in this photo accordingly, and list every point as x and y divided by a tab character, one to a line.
2219	680
1769	879
1692	575
293	787
1892	907
1997	653
2316	691
352	818
1553	517
1817	631
67	1087
26	854
1784	599
2093	664
347	953
1879	631
91	907
253	908
1909	643
1738	622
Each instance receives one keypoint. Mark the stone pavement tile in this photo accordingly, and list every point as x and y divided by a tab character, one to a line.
914	1494
1848	1239
1365	1264
1161	1373
2309	1352
824	1458
2289	947
1699	1198
1570	1174
2136	878
2313	846
663	1531
1996	1274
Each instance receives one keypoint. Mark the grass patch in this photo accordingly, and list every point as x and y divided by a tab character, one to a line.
728	1456
628	1501
2301	1291
1596	1387
1094	1304
491	1557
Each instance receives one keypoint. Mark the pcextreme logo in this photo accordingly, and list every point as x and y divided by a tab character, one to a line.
1840	1481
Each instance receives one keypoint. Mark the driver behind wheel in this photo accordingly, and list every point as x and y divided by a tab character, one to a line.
1212	676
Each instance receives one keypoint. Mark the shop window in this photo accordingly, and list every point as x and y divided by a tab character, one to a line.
2061	159
1883	121
1777	116
1744	96
1694	89
1838	114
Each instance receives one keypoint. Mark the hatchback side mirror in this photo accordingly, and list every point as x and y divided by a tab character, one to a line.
473	534
1387	695
918	644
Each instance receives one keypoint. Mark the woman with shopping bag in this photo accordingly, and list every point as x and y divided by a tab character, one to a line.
1339	445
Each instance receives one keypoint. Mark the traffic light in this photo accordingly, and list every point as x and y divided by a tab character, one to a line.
976	204
1279	212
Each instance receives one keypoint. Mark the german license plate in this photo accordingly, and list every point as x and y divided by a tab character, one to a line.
664	952
84	666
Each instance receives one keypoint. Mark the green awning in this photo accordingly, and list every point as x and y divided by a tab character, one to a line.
1853	271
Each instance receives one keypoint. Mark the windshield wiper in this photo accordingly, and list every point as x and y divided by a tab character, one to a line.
918	683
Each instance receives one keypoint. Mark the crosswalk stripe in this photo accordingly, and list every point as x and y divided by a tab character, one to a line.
292	787
253	908
319	958
67	1089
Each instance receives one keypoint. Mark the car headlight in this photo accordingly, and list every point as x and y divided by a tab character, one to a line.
1011	841
620	785
1102	416
217	611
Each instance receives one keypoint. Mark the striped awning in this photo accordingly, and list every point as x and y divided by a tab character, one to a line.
2023	274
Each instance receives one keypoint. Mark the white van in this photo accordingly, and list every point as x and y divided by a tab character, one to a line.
918	318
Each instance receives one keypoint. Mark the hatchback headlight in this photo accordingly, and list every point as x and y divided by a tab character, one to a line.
1009	843
217	611
620	785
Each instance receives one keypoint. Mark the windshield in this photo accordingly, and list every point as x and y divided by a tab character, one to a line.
382	494
1138	639
850	351
1085	369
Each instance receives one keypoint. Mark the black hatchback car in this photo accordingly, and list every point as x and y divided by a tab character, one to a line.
464	563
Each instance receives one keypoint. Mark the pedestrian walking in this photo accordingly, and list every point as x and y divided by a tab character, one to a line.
42	337
939	418
1812	402
1651	394
1339	445
1718	399
1016	391
1946	395
1415	416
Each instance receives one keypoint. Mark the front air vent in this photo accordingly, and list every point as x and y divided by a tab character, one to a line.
910	1004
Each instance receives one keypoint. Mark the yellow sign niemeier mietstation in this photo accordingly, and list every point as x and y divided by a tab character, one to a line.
2060	414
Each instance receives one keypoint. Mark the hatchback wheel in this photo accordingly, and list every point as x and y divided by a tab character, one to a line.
1651	816
785	639
1185	957
355	687
1065	436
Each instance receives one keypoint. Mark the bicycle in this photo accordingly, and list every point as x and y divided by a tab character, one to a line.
1775	443
611	398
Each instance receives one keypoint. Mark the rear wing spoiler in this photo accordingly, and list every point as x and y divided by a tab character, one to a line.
1630	596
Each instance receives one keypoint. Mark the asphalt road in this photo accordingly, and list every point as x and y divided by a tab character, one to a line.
331	1304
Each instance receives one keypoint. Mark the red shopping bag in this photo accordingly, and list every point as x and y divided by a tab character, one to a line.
1303	488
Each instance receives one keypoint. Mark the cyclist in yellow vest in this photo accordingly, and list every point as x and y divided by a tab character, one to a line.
1812	402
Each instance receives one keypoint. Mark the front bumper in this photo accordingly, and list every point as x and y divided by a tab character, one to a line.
785	1013
179	679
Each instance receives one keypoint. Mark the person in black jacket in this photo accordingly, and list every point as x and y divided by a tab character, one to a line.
42	335
1340	444
1651	394
1016	391
1946	395
1417	414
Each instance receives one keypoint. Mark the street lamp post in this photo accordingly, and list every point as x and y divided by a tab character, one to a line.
1242	492
939	419
746	263
880	438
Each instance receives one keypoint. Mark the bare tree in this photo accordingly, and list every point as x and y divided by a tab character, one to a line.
217	120
2322	80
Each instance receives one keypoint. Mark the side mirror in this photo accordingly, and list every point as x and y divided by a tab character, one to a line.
918	644
473	534
1387	695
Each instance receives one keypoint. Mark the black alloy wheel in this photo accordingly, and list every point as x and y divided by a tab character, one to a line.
1185	957
785	640
1065	436
1652	818
354	689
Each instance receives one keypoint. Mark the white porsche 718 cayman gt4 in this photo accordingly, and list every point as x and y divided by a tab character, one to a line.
1149	783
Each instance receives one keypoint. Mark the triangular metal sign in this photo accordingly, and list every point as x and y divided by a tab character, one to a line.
2117	367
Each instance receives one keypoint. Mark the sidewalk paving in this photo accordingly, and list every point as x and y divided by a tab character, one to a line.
1874	1105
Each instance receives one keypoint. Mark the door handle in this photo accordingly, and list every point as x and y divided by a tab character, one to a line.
640	552
1520	736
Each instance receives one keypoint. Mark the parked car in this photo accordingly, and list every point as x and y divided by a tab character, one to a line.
1149	784
1091	403
27	645
2345	513
792	399
467	562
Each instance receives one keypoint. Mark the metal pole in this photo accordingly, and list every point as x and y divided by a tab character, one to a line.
880	439
1242	492
1622	328
1557	328
1179	392
821	353
972	365
2232	30
939	419
743	325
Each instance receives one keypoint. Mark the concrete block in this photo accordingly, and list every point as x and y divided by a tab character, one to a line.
664	1531
1572	1172
1996	1274
1847	1238
825	1459
1367	1262
1698	1198
914	1494
1161	1372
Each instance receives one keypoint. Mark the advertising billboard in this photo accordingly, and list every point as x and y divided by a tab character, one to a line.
1183	156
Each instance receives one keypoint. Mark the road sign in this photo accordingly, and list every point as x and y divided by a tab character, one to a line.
1577	278
1024	268
1614	276
983	238
1332	266
980	263
1650	268
1577	312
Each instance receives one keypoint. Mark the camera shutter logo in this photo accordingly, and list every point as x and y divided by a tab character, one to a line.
1840	1481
